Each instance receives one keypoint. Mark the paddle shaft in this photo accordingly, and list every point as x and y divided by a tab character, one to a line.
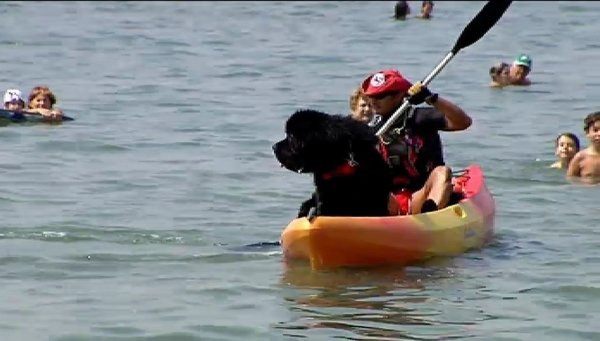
475	29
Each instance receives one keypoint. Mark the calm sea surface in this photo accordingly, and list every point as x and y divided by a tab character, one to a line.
130	222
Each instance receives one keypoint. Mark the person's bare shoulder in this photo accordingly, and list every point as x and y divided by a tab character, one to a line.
575	164
579	155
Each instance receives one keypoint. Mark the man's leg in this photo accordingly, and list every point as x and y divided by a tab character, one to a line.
438	188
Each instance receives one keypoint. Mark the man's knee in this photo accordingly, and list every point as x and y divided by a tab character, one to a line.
442	174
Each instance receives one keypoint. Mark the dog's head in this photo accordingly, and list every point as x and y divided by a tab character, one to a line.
315	142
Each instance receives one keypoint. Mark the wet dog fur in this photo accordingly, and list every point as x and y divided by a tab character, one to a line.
350	175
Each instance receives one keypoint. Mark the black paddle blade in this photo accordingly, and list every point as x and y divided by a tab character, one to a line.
483	21
258	247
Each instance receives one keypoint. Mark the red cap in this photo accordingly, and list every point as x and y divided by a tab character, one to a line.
385	81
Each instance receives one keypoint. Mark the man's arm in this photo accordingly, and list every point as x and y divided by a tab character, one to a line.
456	118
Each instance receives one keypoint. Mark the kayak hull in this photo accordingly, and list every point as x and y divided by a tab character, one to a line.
400	240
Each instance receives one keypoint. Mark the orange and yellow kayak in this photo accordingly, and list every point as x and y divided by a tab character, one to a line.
400	240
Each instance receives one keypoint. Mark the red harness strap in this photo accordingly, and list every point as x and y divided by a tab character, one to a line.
345	169
382	150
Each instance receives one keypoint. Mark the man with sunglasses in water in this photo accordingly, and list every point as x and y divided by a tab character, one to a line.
412	145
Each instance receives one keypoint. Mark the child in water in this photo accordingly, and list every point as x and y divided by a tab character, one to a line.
566	146
41	101
499	75
426	9
13	100
586	163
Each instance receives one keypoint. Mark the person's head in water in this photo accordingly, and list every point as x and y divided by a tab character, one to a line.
41	97
500	74
401	10
426	8
590	120
591	126
520	68
13	100
566	146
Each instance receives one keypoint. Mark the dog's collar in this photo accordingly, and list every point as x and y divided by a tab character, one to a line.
347	168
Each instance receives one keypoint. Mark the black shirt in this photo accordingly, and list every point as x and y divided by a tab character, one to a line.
416	150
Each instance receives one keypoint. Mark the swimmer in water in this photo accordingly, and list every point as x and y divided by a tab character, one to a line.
566	146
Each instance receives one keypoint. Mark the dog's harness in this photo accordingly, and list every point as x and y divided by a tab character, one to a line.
345	169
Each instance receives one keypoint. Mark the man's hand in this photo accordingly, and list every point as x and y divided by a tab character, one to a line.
419	94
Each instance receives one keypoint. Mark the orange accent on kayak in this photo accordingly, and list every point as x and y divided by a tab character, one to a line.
367	241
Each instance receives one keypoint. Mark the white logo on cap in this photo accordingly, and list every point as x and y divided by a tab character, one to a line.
378	79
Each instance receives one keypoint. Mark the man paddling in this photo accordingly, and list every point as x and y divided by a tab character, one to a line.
412	145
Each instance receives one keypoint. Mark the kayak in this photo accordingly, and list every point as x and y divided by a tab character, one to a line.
329	242
24	116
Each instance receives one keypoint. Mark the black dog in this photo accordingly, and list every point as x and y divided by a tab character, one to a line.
350	174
